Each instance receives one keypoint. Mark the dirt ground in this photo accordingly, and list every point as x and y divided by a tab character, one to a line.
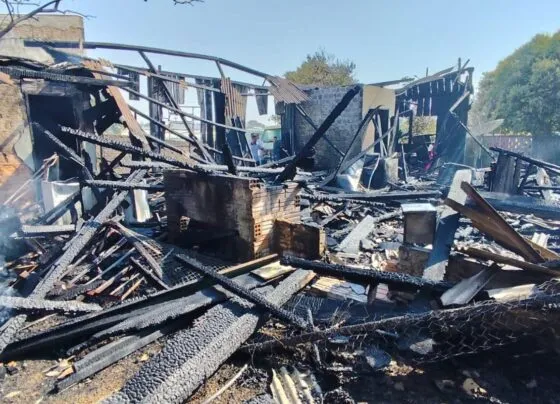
499	377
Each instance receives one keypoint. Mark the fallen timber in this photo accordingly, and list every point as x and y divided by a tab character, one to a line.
83	327
122	185
536	162
337	199
76	244
522	205
389	196
161	313
368	276
72	248
70	293
41	305
112	353
20	73
246	294
121	146
192	355
46	230
447	225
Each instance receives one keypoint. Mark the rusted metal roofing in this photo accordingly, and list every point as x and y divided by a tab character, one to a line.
285	91
235	103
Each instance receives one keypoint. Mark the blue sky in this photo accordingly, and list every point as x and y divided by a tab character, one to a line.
387	39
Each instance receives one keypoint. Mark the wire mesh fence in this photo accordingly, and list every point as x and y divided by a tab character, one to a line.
441	334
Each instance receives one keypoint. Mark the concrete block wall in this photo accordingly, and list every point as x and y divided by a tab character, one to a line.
318	107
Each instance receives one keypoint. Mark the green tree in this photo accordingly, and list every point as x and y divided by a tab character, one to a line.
524	89
323	69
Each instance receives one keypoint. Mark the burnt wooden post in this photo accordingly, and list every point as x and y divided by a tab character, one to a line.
209	129
219	116
505	175
156	111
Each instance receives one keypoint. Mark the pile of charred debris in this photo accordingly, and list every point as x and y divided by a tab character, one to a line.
196	259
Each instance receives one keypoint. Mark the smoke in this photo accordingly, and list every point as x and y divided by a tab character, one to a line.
5	289
9	222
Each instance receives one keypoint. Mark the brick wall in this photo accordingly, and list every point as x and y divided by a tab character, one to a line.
13	118
320	104
14	127
41	28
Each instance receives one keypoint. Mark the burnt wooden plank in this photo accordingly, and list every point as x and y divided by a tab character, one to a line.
446	228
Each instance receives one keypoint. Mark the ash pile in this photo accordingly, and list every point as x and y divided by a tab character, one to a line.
178	254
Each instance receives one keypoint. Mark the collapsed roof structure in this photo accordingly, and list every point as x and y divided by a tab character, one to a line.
174	234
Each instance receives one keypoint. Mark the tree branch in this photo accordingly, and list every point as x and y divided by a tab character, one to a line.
9	7
42	9
190	2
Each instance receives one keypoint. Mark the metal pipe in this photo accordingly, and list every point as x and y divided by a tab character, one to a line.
147	49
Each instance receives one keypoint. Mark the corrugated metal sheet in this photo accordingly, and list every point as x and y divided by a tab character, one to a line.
285	91
235	102
177	89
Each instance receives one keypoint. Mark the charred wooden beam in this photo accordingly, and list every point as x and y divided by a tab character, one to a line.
174	104
149	275
192	355
20	73
71	293
111	353
525	205
502	259
336	199
389	196
80	240
55	213
85	326
368	276
41	305
46	230
246	294
162	312
109	167
121	146
308	119
123	185
448	222
183	113
363	125
147	49
536	162
228	158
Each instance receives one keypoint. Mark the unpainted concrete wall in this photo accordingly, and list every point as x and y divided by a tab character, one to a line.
320	104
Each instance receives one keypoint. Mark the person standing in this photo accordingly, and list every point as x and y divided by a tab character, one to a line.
257	148
276	149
